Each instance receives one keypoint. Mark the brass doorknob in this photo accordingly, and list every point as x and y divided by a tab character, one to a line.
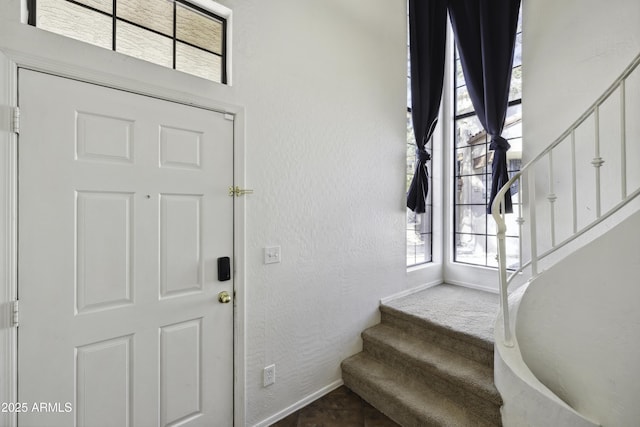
224	297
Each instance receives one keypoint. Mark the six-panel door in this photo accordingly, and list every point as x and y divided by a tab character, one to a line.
123	211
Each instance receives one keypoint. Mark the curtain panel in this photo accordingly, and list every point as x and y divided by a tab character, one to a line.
427	37
485	33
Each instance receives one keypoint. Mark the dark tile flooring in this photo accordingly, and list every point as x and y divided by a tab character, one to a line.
340	408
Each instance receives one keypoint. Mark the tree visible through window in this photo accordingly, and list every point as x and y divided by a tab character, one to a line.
175	34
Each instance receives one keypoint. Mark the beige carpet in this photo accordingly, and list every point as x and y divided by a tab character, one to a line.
430	360
453	307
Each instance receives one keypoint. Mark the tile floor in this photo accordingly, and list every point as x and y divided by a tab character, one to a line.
340	408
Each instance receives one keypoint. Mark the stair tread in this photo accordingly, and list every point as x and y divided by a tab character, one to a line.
452	367
464	313
399	396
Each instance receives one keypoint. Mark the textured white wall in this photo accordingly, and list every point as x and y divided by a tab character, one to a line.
323	83
573	51
323	87
578	323
578	327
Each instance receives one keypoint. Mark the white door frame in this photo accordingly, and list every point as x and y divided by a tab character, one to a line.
22	46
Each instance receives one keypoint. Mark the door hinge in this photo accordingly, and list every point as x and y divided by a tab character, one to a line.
16	120
14	314
229	116
10	119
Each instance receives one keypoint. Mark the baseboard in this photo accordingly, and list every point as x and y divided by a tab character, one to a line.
410	291
473	286
300	404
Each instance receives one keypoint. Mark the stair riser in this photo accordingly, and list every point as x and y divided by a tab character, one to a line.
467	349
457	391
394	410
409	360
381	391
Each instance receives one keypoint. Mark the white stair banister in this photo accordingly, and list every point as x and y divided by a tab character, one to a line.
526	178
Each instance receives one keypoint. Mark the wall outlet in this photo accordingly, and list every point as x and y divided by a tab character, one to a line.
269	375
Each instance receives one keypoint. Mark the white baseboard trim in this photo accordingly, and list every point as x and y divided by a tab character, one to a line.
473	286
300	404
410	291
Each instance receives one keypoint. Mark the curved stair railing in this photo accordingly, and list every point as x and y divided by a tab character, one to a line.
527	177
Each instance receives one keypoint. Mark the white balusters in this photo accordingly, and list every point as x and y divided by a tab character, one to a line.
531	184
526	179
551	197
574	197
623	140
520	221
597	161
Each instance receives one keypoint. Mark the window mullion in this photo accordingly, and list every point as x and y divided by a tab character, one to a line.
113	25
175	14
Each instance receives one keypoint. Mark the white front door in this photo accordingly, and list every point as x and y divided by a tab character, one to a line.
123	212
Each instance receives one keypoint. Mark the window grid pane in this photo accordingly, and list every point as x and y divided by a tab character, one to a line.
152	14
144	44
198	62
197	29
103	5
74	21
151	30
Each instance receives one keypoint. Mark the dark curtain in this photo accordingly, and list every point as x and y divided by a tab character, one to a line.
427	35
485	33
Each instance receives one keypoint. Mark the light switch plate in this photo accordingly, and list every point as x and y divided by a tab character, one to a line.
272	254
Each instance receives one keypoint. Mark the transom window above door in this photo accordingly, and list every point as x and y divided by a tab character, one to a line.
183	35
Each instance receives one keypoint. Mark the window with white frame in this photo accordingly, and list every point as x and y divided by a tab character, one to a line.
475	232
178	34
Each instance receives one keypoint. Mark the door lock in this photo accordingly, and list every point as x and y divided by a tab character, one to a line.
237	191
224	269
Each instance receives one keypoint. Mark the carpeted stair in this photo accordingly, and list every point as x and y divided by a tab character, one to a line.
430	360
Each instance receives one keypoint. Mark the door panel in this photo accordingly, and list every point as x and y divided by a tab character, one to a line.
123	210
